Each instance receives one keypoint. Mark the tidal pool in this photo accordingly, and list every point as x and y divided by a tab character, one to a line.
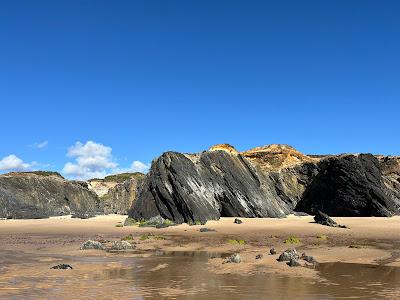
181	275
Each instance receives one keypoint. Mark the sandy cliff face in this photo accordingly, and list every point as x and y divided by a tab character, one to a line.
277	157
44	194
100	187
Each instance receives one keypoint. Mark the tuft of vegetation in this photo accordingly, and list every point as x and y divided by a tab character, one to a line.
236	242
322	237
131	222
128	237
151	236
123	177
119	225
144	237
40	173
292	240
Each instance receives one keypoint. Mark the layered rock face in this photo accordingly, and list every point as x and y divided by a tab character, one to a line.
120	198
350	185
116	192
290	170
390	167
214	183
43	194
269	181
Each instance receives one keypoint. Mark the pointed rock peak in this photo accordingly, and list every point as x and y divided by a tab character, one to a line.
224	147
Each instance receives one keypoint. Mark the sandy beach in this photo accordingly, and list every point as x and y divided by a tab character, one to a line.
30	247
367	240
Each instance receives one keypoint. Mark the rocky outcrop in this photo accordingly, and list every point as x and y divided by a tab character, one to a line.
390	167
30	195
324	219
349	185
117	192
206	186
268	181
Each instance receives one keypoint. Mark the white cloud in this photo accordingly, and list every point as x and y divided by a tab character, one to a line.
91	160
138	166
95	160
14	163
42	145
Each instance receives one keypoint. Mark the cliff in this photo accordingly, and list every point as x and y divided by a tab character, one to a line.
43	194
116	192
268	181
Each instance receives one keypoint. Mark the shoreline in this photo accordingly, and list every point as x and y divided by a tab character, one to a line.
369	240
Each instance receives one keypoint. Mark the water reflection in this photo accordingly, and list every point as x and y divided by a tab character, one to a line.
185	275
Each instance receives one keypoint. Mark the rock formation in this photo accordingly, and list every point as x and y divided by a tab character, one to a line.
390	167
269	181
44	194
116	192
349	185
222	182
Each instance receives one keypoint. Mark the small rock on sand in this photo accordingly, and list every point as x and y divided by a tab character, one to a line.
259	256
272	251
288	255
62	267
89	244
293	263
121	245
238	221
235	258
324	219
308	258
206	229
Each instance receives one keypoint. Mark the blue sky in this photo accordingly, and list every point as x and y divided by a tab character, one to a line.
137	78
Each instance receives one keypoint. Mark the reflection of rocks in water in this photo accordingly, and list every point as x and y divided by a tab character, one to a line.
159	276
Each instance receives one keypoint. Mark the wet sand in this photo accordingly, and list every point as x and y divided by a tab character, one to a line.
29	248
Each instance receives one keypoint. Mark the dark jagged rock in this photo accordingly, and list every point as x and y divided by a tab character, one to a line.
308	258
269	181
324	219
206	230
33	195
237	221
62	267
272	251
293	263
215	183
349	185
259	256
289	254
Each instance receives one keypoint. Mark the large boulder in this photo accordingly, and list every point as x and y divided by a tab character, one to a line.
349	185
32	195
206	186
